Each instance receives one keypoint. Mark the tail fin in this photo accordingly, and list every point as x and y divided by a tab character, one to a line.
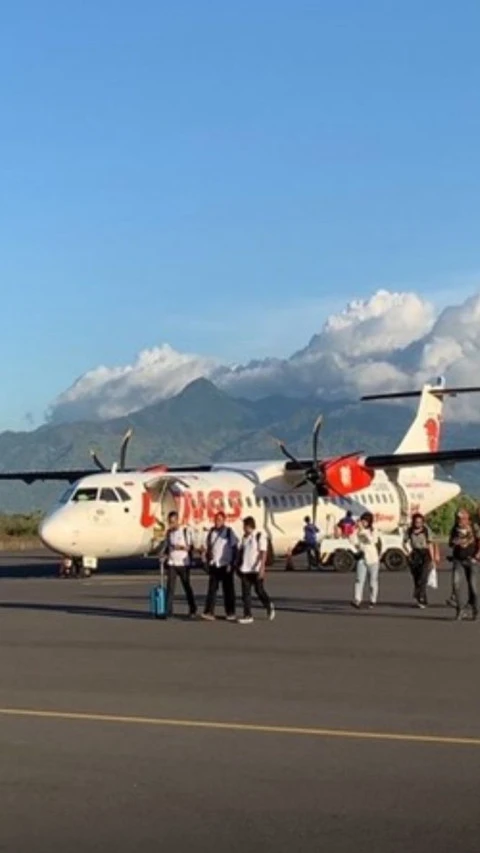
424	432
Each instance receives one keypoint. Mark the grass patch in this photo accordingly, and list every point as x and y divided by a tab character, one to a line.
19	525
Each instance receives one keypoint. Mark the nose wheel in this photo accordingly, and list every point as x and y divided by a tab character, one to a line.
75	567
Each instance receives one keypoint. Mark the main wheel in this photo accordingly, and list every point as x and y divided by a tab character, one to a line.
395	560
343	560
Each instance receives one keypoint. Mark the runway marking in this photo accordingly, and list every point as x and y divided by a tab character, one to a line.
258	728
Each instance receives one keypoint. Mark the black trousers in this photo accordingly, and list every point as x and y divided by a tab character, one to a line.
220	575
183	572
469	569
313	556
250	581
420	565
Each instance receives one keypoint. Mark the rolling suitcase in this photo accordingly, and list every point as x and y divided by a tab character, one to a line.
158	598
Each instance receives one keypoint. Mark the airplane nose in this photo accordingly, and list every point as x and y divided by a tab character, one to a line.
54	534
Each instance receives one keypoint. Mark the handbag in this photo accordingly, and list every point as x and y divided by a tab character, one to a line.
432	580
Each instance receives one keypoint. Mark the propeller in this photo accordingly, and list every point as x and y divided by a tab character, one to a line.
117	466
314	474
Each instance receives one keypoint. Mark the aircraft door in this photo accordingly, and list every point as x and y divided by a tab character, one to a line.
404	506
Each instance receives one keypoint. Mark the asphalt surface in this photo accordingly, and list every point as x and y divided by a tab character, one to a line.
313	719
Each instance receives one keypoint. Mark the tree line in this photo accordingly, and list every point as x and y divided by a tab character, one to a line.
441	520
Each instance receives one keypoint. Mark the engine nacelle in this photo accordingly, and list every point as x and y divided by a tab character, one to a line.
347	474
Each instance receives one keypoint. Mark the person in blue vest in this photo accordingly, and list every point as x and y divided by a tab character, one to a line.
220	557
178	560
310	539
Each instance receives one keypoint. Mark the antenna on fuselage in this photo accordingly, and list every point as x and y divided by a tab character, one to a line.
117	466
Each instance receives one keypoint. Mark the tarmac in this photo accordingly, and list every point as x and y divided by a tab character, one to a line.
326	729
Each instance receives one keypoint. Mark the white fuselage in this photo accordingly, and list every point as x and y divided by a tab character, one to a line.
114	515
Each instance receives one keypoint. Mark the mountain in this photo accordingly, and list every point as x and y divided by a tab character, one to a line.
204	424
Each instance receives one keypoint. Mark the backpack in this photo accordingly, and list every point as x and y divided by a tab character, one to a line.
188	544
270	555
208	553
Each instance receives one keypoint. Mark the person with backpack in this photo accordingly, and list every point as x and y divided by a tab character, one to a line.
418	540
346	525
178	560
252	568
220	557
368	544
465	544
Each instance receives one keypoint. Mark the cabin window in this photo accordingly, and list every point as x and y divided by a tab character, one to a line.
108	495
85	495
274	500
283	500
291	500
258	501
124	496
248	501
378	499
385	499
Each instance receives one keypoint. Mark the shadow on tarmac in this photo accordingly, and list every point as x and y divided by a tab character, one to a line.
436	612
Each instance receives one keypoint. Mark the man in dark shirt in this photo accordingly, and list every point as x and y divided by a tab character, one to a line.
465	544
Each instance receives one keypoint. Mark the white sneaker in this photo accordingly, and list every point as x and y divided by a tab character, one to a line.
271	613
245	620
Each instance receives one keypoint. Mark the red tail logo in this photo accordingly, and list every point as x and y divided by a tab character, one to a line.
432	431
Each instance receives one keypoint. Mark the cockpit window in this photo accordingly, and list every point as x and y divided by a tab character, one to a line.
108	495
85	495
67	495
124	496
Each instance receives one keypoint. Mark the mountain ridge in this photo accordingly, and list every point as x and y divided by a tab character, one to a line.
203	424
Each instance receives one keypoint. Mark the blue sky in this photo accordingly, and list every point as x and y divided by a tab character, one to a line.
169	168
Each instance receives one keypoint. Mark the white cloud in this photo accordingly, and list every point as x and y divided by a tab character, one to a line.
390	341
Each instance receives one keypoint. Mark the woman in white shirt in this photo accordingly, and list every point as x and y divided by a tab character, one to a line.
368	544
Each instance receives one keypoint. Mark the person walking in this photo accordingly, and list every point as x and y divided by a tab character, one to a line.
368	544
252	568
464	541
418	540
310	538
220	556
178	554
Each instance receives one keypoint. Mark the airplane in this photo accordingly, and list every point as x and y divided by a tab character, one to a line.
122	512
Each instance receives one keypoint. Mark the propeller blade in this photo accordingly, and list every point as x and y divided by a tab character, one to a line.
314	506
286	452
316	431
123	448
97	461
304	482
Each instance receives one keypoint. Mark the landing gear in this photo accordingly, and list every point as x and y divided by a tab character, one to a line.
77	567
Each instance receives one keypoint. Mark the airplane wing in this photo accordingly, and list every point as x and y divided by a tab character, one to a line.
72	475
32	476
412	460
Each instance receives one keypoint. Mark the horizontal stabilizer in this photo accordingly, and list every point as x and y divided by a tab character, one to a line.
436	392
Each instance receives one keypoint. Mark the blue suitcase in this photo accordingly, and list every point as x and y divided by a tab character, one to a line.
158	599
